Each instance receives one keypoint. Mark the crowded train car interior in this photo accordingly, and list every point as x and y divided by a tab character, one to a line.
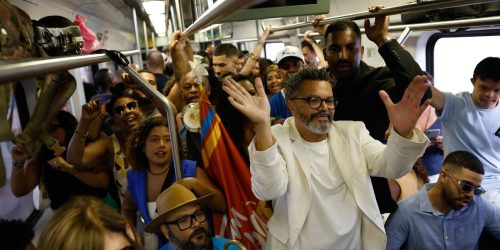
94	94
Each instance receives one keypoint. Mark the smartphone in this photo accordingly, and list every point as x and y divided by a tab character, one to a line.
432	133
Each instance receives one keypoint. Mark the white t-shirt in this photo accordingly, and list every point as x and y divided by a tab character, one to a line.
334	219
152	209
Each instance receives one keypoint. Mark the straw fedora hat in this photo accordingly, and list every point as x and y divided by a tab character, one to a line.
172	199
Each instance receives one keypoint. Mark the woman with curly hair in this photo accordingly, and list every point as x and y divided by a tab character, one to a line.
149	152
107	152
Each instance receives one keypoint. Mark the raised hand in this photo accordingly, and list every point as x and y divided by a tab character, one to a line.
321	28
91	110
265	36
379	32
60	164
404	114
307	37
18	155
256	108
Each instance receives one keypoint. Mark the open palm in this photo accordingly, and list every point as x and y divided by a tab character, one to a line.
404	114
256	108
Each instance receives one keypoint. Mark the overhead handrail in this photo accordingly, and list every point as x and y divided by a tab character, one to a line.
219	10
25	68
464	23
158	98
411	7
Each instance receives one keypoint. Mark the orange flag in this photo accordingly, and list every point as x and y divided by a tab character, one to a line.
246	217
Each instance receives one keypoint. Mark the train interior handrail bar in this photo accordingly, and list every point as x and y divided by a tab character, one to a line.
24	68
411	7
218	11
463	23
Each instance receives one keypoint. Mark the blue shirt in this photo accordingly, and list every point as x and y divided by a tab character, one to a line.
469	128
279	110
416	225
218	244
433	156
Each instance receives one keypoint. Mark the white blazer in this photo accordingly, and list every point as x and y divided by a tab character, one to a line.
282	174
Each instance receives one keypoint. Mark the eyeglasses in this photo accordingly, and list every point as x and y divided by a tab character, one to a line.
187	221
467	187
130	106
314	101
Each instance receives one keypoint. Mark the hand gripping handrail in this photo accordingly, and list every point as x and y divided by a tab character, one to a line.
218	11
463	23
411	7
157	97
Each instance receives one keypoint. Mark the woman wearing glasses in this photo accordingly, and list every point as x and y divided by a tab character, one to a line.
107	152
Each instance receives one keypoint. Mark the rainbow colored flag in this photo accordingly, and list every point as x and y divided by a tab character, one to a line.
246	217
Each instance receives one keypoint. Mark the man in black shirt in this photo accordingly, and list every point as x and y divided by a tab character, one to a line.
358	83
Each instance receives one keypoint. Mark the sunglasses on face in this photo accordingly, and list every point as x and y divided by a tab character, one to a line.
467	187
130	106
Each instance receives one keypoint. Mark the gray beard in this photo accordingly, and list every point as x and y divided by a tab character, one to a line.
323	128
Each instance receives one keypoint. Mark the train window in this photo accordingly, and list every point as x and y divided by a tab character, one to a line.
454	56
272	49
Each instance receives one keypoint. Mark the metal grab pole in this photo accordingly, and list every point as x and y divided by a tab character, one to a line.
179	16
218	11
157	97
146	45
153	39
136	28
411	7
24	68
464	23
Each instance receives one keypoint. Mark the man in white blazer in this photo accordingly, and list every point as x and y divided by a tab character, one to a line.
317	171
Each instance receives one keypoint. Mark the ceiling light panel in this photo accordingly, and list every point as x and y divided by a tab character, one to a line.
154	7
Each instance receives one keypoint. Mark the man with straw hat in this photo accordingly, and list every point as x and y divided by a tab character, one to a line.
182	221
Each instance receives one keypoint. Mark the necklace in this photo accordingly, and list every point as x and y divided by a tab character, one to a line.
160	173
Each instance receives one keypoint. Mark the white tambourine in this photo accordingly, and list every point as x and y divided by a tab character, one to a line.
191	117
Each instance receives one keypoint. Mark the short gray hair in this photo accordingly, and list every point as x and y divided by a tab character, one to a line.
295	82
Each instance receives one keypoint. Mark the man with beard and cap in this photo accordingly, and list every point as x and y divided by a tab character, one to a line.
450	214
358	83
182	221
317	171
